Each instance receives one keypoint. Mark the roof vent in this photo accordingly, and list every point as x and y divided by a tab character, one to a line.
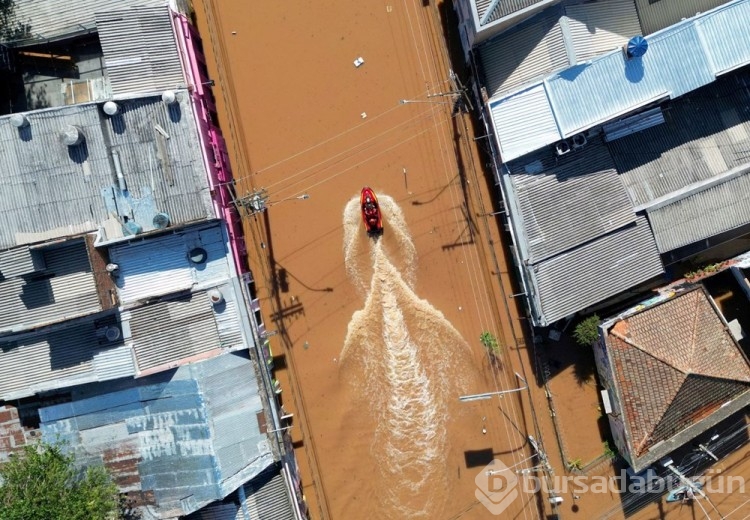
112	333
19	120
215	296
579	141
169	97
562	147
198	255
161	220
111	268
111	108
131	227
636	47
72	135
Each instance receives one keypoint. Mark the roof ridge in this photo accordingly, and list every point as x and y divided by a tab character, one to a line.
696	303
647	352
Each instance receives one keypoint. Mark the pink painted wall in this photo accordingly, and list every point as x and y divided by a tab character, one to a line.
215	154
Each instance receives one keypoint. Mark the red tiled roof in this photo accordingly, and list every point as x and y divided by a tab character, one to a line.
675	364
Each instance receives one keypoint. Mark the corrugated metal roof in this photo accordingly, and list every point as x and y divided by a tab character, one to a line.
705	134
727	37
530	51
500	9
63	357
553	40
680	59
715	210
160	265
658	15
140	51
51	190
599	27
228	319
589	274
174	427
569	200
51	18
168	331
18	262
64	288
516	139
267	498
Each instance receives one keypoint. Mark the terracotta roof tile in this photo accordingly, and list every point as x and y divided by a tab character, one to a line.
674	364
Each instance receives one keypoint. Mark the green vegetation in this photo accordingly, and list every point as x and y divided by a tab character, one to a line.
575	465
710	268
10	28
489	341
609	451
586	332
41	482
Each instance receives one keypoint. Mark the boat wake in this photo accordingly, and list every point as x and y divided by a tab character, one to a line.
404	358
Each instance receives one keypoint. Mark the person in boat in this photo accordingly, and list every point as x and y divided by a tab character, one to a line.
371	212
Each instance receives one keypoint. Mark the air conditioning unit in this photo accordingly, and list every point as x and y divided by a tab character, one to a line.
579	141
562	147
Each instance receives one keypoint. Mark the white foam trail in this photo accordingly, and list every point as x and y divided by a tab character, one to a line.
406	359
394	219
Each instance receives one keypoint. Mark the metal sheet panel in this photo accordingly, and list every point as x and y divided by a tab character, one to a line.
567	201
659	15
587	275
60	358
526	53
169	442
599	27
725	52
64	290
712	211
48	19
705	134
266	497
674	65
677	62
502	8
51	190
140	51
160	265
234	400
228	320
168	331
524	122
18	262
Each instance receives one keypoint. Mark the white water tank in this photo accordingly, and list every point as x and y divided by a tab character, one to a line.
19	120
111	108
72	135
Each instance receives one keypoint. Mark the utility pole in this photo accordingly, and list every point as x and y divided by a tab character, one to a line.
252	203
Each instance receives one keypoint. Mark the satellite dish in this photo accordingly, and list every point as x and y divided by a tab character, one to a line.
161	220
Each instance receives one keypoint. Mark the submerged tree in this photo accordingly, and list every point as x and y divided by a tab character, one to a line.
10	27
41	482
586	332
